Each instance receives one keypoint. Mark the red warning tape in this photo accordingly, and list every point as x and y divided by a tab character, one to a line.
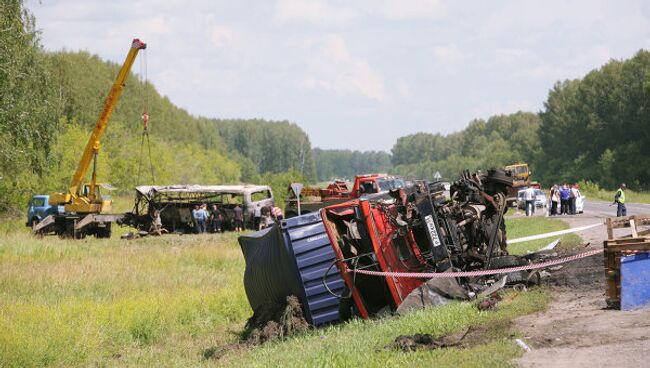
532	266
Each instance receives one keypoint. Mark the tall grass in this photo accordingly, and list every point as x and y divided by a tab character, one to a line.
92	301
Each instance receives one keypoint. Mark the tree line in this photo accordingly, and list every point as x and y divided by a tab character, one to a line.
501	140
345	164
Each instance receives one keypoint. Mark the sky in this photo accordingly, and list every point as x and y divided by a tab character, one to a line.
353	74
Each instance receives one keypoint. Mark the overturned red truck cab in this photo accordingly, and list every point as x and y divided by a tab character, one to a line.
424	227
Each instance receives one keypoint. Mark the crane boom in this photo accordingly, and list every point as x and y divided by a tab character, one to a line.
74	201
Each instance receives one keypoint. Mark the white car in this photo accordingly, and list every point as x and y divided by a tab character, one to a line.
540	199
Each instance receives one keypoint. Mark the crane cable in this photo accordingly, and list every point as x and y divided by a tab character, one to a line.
145	117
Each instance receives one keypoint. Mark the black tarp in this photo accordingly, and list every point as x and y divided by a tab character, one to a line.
270	274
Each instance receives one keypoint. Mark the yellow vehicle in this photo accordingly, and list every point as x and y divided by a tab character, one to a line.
520	171
83	204
522	179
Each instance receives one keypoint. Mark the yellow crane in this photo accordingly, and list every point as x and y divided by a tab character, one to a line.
82	203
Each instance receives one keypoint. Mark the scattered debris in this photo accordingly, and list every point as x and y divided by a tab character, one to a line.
432	293
523	345
552	245
410	343
489	302
216	352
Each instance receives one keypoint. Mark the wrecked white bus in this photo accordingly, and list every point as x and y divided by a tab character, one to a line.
175	204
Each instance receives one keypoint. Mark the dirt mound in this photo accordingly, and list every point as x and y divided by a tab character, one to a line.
275	321
583	274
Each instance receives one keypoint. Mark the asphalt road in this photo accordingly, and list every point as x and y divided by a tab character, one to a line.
603	209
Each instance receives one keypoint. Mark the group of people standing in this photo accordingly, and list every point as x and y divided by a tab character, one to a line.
207	221
211	220
563	199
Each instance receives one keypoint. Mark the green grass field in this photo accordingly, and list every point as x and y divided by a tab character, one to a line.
164	301
518	227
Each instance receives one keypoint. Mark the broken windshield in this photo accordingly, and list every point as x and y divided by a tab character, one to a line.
389	184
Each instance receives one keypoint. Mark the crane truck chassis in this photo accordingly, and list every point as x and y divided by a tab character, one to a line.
84	207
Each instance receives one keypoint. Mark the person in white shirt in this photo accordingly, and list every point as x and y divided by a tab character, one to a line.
529	197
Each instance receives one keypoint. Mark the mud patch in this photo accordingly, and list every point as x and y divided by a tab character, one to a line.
274	322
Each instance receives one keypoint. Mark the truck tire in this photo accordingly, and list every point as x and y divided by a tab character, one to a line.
70	233
104	232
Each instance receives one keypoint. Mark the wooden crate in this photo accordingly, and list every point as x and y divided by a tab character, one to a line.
628	221
614	249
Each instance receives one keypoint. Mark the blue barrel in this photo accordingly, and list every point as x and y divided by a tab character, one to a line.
635	281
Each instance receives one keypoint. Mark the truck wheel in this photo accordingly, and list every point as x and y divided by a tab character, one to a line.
70	233
104	233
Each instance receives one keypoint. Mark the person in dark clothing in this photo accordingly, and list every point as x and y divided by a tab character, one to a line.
619	199
239	218
257	215
215	217
573	198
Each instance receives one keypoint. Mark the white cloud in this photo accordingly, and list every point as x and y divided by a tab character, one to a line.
334	69
221	35
446	59
404	90
409	10
313	11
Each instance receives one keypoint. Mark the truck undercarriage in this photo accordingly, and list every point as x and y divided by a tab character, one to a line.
426	227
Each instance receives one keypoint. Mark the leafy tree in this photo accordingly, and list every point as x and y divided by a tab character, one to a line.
596	128
499	141
27	104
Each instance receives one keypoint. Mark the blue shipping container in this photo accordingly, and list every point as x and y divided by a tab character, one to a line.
307	241
635	281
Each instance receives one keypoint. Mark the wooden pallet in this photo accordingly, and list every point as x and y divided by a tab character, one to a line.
632	222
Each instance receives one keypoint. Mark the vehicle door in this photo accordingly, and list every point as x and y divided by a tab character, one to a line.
261	197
